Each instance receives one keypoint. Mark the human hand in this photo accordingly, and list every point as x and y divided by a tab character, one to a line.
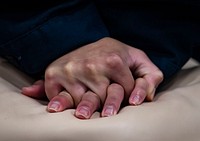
103	73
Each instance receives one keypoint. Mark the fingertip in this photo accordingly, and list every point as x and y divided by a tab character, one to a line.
137	99
54	106
25	89
108	110
115	96
60	102
83	112
139	92
34	91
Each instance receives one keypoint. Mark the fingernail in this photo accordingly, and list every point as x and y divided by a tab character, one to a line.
83	112
136	100
54	106
109	111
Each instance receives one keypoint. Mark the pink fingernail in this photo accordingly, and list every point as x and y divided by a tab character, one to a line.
136	100
83	112
109	111
54	106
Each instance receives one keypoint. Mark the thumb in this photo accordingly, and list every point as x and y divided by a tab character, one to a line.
36	90
142	67
153	79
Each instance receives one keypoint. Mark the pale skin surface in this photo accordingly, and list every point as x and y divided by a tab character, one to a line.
98	76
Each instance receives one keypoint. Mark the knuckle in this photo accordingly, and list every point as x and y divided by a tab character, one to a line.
113	60
141	52
116	87
69	68
154	80
90	67
159	76
50	73
105	40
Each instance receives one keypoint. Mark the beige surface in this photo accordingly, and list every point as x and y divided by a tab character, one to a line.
174	115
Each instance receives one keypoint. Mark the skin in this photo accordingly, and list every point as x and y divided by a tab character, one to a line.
98	76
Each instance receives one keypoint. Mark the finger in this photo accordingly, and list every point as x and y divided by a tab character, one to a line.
115	95
99	75
139	93
88	105
56	81
60	102
52	86
119	72
98	84
153	79
143	67
36	90
90	74
76	90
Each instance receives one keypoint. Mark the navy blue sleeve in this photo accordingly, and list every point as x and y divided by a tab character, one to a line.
167	30
31	38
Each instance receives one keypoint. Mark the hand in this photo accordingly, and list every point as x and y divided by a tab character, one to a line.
101	74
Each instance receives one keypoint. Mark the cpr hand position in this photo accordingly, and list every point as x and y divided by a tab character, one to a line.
98	76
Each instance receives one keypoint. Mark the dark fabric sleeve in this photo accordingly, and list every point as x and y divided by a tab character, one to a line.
166	30
196	53
33	38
